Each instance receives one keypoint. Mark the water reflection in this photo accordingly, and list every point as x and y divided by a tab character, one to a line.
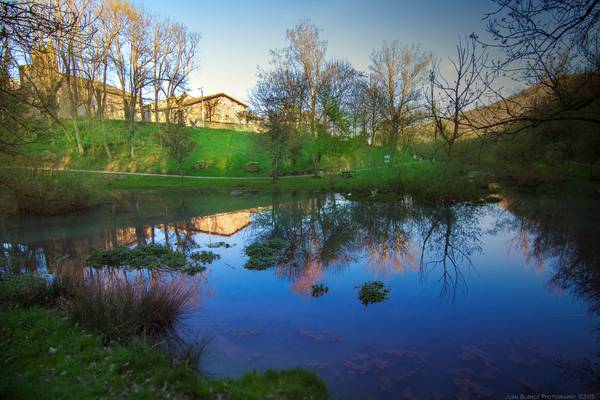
328	232
507	275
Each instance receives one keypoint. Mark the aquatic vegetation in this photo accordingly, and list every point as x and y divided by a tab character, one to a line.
319	290
205	257
216	245
265	255
150	256
373	292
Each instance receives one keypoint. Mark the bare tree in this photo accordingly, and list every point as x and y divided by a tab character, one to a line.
306	54
335	95
70	48
180	63
28	30
162	45
277	99
553	46
400	73
452	100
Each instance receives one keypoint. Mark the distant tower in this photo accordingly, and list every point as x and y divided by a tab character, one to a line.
41	78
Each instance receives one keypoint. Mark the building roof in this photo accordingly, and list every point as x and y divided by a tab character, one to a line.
195	100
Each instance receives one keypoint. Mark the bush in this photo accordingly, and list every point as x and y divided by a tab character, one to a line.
23	291
119	309
42	192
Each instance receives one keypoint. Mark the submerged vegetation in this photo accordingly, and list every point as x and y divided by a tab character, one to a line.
373	292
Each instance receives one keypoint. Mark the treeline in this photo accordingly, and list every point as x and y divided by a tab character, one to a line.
548	46
78	51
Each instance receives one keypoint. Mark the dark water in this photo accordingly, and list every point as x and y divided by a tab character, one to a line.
486	301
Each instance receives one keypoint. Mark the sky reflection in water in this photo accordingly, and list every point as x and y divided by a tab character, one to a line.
485	301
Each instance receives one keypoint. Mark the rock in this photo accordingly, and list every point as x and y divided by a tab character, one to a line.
252	167
201	165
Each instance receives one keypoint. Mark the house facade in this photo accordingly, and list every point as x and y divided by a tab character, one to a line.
219	108
67	96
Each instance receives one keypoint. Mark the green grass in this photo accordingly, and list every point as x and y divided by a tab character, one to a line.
46	356
225	151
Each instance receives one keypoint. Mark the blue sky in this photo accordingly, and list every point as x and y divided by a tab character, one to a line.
237	35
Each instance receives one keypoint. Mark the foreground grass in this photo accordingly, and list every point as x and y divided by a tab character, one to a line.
46	356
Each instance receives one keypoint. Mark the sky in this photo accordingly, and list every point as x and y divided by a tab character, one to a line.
237	35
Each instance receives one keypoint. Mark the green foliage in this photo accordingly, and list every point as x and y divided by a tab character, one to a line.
293	384
42	192
225	152
265	254
50	357
205	257
216	245
149	256
319	290
179	144
22	290
373	292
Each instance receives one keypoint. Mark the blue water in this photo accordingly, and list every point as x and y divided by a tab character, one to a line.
485	301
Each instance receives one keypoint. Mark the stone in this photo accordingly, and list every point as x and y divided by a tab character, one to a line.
201	165
252	167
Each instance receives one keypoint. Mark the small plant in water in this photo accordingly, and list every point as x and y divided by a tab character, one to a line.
319	290
205	257
373	292
150	256
217	245
266	254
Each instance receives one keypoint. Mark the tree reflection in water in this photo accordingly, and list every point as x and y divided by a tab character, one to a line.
563	233
327	232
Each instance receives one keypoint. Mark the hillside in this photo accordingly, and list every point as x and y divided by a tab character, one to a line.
224	151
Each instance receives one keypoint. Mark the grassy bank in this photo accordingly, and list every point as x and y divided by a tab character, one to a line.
225	152
46	356
50	350
423	179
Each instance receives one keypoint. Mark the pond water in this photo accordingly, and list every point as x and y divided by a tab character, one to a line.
485	301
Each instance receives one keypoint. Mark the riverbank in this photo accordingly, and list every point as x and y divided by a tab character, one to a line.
47	356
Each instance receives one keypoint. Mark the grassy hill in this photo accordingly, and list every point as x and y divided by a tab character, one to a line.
225	151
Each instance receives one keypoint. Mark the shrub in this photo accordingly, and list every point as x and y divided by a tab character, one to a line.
41	192
23	290
119	309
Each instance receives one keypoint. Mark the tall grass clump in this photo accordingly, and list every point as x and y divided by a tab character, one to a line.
119	308
41	192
